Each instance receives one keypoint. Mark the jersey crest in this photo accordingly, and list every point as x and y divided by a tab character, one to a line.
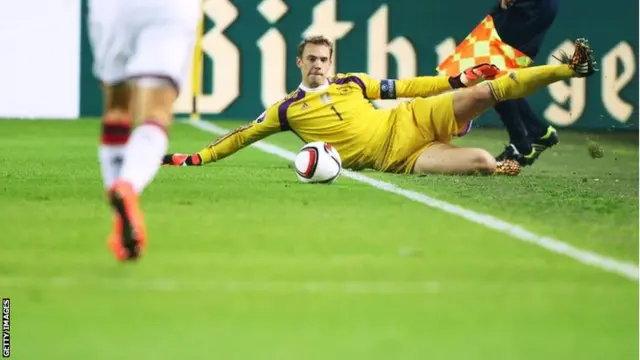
344	90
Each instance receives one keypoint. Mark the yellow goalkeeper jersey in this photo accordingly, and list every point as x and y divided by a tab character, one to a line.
339	113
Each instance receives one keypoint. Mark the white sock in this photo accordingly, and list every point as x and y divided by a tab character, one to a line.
143	155
111	158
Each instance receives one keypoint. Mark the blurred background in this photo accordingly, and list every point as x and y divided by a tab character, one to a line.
249	55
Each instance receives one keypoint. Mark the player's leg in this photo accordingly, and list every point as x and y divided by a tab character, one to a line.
155	69
152	105
541	134
116	129
152	108
526	37
110	51
467	104
111	45
429	150
536	127
441	158
525	130
509	113
471	102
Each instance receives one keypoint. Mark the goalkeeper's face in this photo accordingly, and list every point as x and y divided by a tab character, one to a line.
314	64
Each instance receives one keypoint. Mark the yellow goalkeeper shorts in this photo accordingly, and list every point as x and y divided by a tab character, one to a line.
417	124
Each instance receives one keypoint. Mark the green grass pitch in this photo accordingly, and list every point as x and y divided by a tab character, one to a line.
244	262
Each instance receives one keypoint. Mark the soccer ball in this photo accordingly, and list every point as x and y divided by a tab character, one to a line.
318	162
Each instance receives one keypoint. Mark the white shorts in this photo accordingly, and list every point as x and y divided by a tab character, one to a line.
142	38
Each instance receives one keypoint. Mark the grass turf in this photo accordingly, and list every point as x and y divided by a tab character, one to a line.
246	263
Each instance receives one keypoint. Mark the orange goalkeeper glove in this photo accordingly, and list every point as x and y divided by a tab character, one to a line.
474	75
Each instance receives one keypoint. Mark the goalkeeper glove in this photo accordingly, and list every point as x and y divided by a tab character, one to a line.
474	75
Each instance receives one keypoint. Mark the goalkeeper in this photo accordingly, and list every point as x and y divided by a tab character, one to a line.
412	138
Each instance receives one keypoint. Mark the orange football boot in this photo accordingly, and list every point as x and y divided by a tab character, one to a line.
129	236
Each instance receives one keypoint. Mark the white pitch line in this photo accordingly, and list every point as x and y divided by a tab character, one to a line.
205	285
625	269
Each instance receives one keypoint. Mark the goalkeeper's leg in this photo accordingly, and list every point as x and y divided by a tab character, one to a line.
448	159
471	102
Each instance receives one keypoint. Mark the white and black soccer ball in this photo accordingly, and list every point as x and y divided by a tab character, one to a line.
318	162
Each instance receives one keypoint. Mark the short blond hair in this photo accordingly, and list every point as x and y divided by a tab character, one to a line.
316	40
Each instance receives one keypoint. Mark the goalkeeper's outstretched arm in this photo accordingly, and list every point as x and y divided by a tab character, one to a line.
229	143
425	86
233	141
